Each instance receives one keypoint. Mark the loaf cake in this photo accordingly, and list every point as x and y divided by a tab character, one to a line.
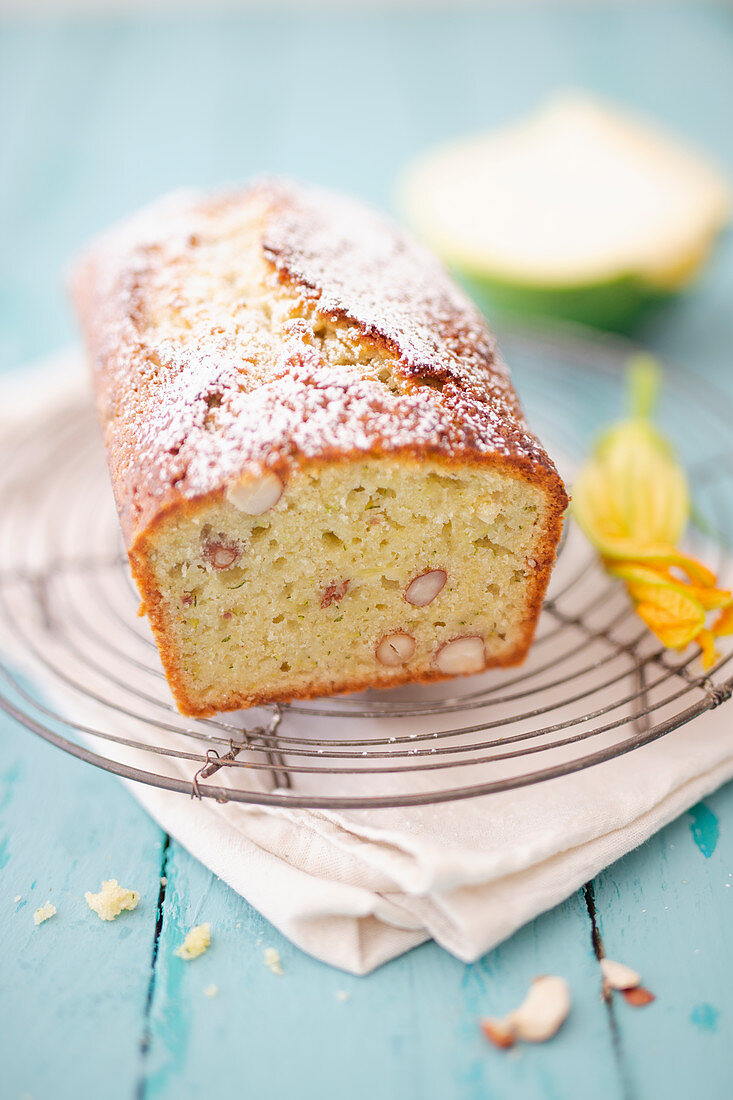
324	478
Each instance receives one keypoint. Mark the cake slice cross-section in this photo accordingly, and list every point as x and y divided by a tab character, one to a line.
324	478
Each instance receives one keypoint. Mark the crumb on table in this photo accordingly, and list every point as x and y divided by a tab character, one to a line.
195	943
111	899
272	960
42	914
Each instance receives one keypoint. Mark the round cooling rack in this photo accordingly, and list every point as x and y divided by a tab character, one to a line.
80	669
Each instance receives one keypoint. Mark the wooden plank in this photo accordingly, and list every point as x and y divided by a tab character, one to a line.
410	1030
72	990
667	910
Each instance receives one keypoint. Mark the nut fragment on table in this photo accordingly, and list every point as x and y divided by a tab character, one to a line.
540	1015
619	976
638	997
498	1033
45	911
627	981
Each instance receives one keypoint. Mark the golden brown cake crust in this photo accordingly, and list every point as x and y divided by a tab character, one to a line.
153	400
454	400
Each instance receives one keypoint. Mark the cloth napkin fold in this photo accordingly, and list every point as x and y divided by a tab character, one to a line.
354	887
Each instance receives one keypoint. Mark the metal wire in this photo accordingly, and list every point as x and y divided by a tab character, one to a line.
596	684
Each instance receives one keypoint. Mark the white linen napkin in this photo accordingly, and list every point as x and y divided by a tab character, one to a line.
355	887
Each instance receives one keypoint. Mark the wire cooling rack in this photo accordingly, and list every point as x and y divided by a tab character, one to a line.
80	668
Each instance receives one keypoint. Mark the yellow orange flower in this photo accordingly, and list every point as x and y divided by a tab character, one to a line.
632	501
675	618
724	624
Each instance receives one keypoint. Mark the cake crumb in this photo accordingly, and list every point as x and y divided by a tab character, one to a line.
42	914
195	942
111	899
272	960
211	991
343	996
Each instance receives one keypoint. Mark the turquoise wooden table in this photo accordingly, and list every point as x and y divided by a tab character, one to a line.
95	118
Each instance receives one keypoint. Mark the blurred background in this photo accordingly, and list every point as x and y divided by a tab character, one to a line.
104	106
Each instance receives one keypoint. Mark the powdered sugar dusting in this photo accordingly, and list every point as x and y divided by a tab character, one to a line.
278	325
361	266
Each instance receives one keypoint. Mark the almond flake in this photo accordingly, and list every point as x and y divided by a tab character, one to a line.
498	1034
618	976
395	649
543	1010
538	1018
423	589
461	656
257	495
638	997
